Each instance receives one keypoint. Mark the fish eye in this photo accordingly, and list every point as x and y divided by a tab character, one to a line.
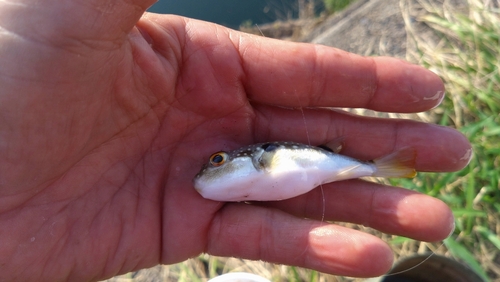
218	158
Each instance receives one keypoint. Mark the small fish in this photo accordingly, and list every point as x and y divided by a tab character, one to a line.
282	170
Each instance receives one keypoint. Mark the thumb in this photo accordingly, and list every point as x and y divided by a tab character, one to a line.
80	20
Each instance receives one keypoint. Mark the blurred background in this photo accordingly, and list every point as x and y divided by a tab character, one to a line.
229	13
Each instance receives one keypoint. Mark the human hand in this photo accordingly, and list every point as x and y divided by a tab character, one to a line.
104	125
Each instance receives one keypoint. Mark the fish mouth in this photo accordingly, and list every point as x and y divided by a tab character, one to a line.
195	183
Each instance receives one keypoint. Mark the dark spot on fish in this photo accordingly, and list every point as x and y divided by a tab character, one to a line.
269	147
326	148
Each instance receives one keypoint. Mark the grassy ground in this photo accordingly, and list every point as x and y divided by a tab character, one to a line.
465	52
467	57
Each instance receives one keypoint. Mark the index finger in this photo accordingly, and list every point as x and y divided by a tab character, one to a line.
306	75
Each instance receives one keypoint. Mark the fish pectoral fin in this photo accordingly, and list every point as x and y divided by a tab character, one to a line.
400	163
346	172
265	162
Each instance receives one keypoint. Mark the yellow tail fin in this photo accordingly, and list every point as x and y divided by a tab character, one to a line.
400	163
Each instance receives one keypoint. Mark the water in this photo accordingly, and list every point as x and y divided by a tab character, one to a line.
231	13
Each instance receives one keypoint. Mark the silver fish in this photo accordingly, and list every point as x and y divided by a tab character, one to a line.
282	170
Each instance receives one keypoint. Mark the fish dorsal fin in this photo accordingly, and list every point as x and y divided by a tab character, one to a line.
335	146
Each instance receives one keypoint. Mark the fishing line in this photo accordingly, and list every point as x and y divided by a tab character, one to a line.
323	192
309	143
418	264
324	203
324	199
261	33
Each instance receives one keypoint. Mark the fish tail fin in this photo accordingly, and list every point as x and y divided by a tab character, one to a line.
400	163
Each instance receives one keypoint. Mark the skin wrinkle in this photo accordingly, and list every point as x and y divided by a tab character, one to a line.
260	133
340	131
113	252
395	138
242	74
333	131
313	73
305	257
243	80
186	34
312	204
138	80
370	208
315	236
373	89
161	217
244	69
214	229
90	43
98	224
217	80
143	33
242	50
300	257
105	8
41	54
331	127
137	9
54	249
121	241
264	227
46	261
219	86
414	97
173	36
402	205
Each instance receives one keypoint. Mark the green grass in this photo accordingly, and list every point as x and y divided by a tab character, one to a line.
336	5
466	55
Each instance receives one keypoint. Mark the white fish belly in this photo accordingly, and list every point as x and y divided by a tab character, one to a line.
262	187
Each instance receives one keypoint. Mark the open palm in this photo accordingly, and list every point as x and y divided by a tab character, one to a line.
106	116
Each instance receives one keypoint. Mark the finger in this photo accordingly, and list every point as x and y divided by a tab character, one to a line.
268	234
388	209
298	75
438	148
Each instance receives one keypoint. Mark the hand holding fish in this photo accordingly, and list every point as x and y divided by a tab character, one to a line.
108	115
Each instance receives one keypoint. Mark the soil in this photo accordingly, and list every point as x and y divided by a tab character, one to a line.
366	27
369	28
376	28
